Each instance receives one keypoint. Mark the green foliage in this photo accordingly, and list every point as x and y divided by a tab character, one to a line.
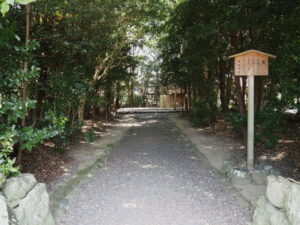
13	108
201	34
7	141
90	136
84	59
201	114
6	4
84	49
269	126
238	121
67	130
138	101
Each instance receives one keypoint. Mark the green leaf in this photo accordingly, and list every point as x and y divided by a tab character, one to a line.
4	7
24	2
17	37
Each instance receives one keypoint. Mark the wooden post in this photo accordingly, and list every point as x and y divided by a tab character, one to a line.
250	133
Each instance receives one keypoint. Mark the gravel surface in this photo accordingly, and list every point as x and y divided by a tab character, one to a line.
154	177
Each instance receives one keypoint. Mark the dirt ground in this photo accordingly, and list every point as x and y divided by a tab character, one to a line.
47	164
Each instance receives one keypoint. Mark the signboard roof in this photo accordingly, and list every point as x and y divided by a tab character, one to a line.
252	51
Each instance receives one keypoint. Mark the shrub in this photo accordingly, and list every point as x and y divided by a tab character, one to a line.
67	131
90	136
238	122
201	113
269	124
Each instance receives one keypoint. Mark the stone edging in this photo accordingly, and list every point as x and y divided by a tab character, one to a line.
280	205
24	201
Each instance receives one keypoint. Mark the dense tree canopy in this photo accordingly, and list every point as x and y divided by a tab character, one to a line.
63	61
201	34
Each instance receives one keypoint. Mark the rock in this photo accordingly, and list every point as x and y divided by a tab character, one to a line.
276	190
227	166
49	219
267	214
2	180
259	177
240	176
14	221
17	188
34	208
12	218
63	204
274	172
268	168
3	211
260	214
277	217
292	204
242	164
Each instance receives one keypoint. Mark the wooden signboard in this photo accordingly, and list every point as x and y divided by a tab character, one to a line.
251	63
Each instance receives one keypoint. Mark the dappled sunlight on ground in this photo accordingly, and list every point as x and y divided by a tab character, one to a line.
65	170
150	166
275	157
279	156
134	124
144	166
130	205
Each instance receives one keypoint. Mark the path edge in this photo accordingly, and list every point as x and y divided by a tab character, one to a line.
182	125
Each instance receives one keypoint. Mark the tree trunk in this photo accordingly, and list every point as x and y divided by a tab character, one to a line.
241	105
24	88
258	93
240	96
222	86
181	100
108	102
131	94
118	90
194	94
228	89
81	108
189	97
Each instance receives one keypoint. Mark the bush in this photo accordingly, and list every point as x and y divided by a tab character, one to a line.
90	136
238	122
138	101
68	130
201	113
269	124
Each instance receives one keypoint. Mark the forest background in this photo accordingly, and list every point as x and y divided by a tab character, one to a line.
64	61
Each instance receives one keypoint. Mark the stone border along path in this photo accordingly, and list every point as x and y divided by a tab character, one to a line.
154	176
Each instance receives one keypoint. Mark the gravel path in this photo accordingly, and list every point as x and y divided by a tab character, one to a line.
154	177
